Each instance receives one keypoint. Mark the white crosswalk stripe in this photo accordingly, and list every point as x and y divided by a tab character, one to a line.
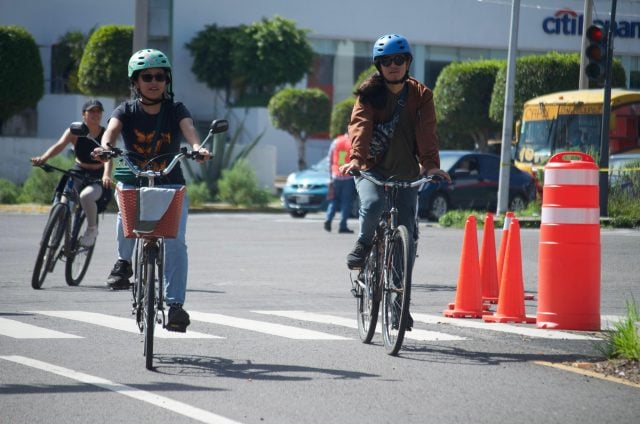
20	330
415	334
122	324
263	327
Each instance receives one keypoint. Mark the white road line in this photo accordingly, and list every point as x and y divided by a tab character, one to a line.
20	330
122	324
505	328
156	400
415	334
264	327
608	322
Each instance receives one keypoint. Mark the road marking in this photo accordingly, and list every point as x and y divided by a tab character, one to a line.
157	400
122	324
608	322
264	327
505	328
20	330
415	334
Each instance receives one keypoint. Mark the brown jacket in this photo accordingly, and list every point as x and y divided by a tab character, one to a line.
422	115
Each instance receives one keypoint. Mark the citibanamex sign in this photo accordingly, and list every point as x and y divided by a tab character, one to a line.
568	22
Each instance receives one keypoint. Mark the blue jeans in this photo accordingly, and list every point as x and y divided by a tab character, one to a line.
176	261
344	189
372	204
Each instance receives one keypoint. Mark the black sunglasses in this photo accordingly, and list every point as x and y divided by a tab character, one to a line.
398	60
160	77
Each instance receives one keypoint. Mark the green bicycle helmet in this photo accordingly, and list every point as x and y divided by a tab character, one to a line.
147	58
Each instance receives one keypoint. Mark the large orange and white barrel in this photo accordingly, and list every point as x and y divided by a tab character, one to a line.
569	248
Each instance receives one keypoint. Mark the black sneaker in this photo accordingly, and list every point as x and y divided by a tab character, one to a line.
355	259
118	279
178	319
327	226
345	231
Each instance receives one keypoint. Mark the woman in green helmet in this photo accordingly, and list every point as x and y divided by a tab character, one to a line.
151	123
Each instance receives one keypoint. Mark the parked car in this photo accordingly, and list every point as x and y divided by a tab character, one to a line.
306	191
624	173
474	185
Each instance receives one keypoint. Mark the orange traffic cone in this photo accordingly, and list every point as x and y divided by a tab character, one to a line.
468	302
511	298
503	243
488	264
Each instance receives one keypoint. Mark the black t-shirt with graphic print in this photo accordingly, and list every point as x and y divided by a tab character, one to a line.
138	131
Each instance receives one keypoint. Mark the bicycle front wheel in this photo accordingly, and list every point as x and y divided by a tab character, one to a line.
149	302
368	295
51	238
397	291
79	256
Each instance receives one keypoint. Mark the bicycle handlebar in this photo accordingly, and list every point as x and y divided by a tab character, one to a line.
70	172
399	184
184	153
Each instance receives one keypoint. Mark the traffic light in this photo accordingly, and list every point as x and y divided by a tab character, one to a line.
596	52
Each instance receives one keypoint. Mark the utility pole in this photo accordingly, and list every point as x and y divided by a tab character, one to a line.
606	115
583	83
507	119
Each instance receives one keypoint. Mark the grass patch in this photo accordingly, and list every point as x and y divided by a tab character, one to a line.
623	341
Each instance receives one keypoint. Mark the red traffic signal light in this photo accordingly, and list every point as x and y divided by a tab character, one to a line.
596	52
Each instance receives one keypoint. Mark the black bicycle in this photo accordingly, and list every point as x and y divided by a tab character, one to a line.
65	226
386	275
150	231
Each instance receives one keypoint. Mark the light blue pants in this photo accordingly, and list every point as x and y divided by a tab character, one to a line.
344	190
372	204
176	261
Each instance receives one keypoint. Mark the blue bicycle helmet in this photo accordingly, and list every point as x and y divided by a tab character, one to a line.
391	44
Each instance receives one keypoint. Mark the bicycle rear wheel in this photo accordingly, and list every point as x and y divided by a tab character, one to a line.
368	295
79	256
49	244
149	301
397	291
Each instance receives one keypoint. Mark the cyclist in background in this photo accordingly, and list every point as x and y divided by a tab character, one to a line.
93	197
413	148
151	123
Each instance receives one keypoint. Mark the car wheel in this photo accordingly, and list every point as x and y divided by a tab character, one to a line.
438	206
517	203
297	213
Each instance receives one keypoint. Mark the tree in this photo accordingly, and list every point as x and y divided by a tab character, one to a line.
65	59
462	96
300	112
103	70
21	72
340	117
537	75
212	62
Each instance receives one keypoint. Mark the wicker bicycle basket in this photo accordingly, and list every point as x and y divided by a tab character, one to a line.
166	226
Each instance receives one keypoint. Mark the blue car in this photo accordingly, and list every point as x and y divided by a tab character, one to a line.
306	191
474	185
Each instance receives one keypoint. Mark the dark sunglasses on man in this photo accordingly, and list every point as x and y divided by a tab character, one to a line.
397	60
160	77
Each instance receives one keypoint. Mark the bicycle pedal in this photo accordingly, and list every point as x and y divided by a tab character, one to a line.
355	294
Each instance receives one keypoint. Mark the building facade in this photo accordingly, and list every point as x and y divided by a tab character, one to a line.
341	34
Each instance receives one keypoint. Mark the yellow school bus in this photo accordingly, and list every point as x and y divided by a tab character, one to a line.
571	121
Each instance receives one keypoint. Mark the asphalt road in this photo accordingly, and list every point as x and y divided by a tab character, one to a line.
273	337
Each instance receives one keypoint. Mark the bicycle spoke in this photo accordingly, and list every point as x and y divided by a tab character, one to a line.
396	295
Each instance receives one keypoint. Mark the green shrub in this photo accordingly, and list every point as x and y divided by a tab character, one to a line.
198	193
21	71
8	192
103	70
39	187
239	187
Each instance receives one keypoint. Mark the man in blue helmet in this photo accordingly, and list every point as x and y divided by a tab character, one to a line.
412	145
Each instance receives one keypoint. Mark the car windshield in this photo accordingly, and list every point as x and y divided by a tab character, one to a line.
448	160
323	165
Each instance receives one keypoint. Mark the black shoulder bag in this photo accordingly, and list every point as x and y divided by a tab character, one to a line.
383	132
